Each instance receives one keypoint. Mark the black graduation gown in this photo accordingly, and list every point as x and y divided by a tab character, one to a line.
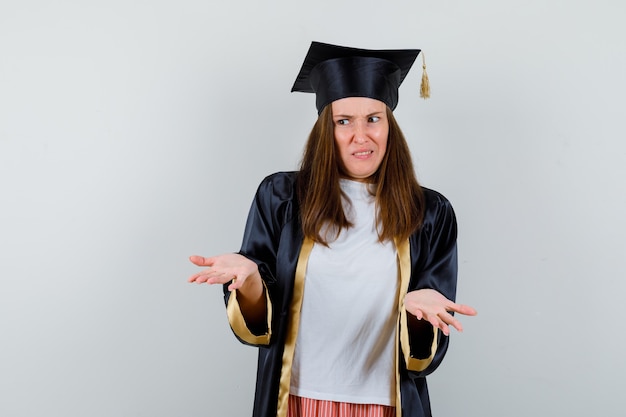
273	239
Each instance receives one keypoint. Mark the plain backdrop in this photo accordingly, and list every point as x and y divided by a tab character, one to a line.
134	134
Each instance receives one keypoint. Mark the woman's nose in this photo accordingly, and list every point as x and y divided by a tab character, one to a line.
360	135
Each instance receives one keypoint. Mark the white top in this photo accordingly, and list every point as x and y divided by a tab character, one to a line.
345	349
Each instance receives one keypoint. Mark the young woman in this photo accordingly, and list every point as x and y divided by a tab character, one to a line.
347	272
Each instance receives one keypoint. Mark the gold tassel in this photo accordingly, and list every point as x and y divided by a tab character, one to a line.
425	87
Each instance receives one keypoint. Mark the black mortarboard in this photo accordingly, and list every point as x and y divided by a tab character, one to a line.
333	72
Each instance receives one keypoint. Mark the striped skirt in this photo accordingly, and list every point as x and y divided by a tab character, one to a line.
307	407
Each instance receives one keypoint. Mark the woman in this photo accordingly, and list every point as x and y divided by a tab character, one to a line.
347	270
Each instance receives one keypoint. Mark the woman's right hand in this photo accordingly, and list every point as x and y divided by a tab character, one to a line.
243	275
224	268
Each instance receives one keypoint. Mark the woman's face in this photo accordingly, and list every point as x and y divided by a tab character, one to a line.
361	132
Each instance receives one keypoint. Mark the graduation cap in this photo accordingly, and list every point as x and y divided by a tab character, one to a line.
333	72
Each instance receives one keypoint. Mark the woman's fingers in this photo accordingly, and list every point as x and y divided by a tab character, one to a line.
430	305
201	260
465	310
223	269
212	277
451	321
443	321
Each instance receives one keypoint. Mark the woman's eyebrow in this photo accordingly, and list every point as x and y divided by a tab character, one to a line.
347	116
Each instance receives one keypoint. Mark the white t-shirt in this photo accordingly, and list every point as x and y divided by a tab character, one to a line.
345	349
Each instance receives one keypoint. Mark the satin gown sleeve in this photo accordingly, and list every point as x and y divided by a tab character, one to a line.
434	265
270	210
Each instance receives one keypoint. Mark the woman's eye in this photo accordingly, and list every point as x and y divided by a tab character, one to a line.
342	122
374	119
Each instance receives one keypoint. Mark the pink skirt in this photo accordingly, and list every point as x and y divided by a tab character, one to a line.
307	407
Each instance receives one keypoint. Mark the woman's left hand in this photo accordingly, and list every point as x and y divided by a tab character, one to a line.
428	304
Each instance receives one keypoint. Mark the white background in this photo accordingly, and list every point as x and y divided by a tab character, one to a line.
134	134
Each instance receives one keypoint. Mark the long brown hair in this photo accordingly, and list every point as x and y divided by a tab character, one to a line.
399	197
